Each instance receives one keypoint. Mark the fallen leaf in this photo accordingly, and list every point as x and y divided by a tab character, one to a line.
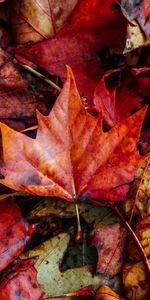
90	27
134	276
143	234
96	216
14	233
121	98
34	21
105	293
135	38
143	196
110	250
17	101
139	194
22	283
137	13
49	276
71	156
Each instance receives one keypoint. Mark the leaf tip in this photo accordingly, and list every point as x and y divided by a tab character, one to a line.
69	72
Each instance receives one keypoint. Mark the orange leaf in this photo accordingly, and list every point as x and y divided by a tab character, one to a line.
71	156
105	293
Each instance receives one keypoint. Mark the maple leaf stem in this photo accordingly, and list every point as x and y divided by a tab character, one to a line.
54	85
133	293
132	234
79	230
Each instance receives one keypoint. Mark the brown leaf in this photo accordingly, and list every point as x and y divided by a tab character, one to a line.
110	250
105	293
139	195
143	234
17	102
134	276
34	21
71	155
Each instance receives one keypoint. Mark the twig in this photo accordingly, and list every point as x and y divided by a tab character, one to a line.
31	70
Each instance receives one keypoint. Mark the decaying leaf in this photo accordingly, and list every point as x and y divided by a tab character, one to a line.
34	21
105	293
110	250
143	234
50	278
71	156
13	233
21	283
134	276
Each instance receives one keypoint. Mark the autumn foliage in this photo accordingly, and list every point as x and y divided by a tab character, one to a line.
74	147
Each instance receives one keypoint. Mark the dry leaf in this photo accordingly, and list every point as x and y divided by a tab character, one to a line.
134	276
35	20
143	234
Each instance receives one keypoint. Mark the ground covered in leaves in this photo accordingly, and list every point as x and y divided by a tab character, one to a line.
74	147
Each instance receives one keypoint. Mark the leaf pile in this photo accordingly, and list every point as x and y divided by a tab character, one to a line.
75	164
